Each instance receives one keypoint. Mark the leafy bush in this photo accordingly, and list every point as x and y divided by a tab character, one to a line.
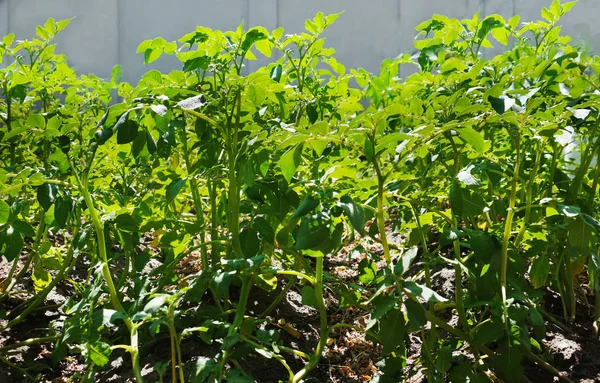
485	166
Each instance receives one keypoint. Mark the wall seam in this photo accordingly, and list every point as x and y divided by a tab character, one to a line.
119	42
277	24
7	17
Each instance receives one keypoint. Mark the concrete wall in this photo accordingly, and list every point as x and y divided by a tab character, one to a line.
107	32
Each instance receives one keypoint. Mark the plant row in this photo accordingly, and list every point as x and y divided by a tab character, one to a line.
485	166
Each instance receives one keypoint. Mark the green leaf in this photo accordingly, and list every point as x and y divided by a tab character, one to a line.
453	64
24	228
289	162
501	105
405	261
4	212
580	235
443	362
249	242
415	312
423	292
265	229
174	188
309	203
501	35
354	212
488	332
456	199
276	73
236	376
61	211
103	317
41	277
201	62
382	304
252	36
99	353
490	22
566	7
201	372
13	242
191	103
125	222
311	233
150	143
568	210
46	195
138	144
308	296
102	135
450	235
126	131
472	137
155	304
485	244
392	330
367	271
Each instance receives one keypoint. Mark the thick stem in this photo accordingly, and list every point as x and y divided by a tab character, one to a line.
595	182
529	197
570	286
234	194
380	216
196	198
586	159
214	223
323	331
114	298
247	284
508	225
172	336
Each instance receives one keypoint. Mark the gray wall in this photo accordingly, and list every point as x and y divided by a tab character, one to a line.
107	32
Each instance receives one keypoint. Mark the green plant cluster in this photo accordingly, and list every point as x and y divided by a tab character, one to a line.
488	166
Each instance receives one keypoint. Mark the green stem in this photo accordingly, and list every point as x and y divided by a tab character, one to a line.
570	285
529	196
234	208
275	355
214	223
298	274
247	284
553	166
586	159
28	342
508	224
323	331
196	198
380	216
595	183
114	298
172	336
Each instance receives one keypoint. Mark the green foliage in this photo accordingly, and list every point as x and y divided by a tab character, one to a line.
271	173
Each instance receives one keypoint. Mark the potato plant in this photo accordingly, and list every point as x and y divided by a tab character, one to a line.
487	167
